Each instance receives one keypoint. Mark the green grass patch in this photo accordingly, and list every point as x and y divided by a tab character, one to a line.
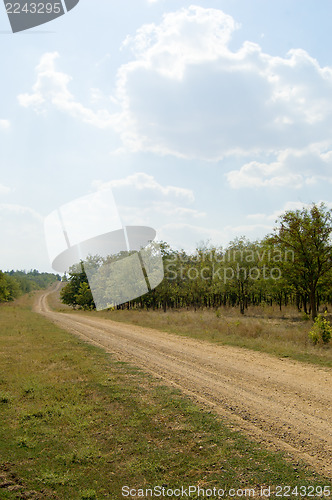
77	424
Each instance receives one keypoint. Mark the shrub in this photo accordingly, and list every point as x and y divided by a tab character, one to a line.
321	331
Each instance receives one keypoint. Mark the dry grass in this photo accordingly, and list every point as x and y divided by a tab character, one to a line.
284	334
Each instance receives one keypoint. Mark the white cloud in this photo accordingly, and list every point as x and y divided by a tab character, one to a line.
269	219
186	37
188	236
4	189
19	210
298	205
186	93
141	181
156	212
179	212
4	124
52	86
255	174
142	200
291	168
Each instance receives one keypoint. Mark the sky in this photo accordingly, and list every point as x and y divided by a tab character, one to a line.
207	120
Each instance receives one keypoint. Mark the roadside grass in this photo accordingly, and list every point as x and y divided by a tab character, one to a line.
286	338
78	424
262	328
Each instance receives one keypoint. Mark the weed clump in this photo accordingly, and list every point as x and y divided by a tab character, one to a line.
88	495
321	331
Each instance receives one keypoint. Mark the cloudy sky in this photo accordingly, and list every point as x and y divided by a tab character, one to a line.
207	120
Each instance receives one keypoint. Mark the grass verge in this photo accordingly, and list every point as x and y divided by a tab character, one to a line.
77	424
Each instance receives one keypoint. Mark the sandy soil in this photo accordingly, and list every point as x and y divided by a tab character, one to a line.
286	405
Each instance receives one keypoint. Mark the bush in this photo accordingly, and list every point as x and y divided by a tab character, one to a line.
321	331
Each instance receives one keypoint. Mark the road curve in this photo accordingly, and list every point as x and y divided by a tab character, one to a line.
286	405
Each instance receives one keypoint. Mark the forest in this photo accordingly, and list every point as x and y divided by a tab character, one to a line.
291	266
16	283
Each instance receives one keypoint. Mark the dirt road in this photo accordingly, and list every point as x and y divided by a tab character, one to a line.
284	404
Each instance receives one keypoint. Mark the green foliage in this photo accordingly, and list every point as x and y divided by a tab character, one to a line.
19	282
321	331
77	293
9	288
84	297
307	234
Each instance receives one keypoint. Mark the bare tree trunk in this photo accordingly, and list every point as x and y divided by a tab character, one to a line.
313	304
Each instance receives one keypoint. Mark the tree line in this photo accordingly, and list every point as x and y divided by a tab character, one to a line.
293	265
15	283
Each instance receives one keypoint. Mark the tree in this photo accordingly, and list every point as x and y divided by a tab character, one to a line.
33	280
242	269
77	292
307	233
84	297
9	288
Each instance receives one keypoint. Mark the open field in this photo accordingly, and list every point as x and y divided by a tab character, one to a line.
266	329
78	424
